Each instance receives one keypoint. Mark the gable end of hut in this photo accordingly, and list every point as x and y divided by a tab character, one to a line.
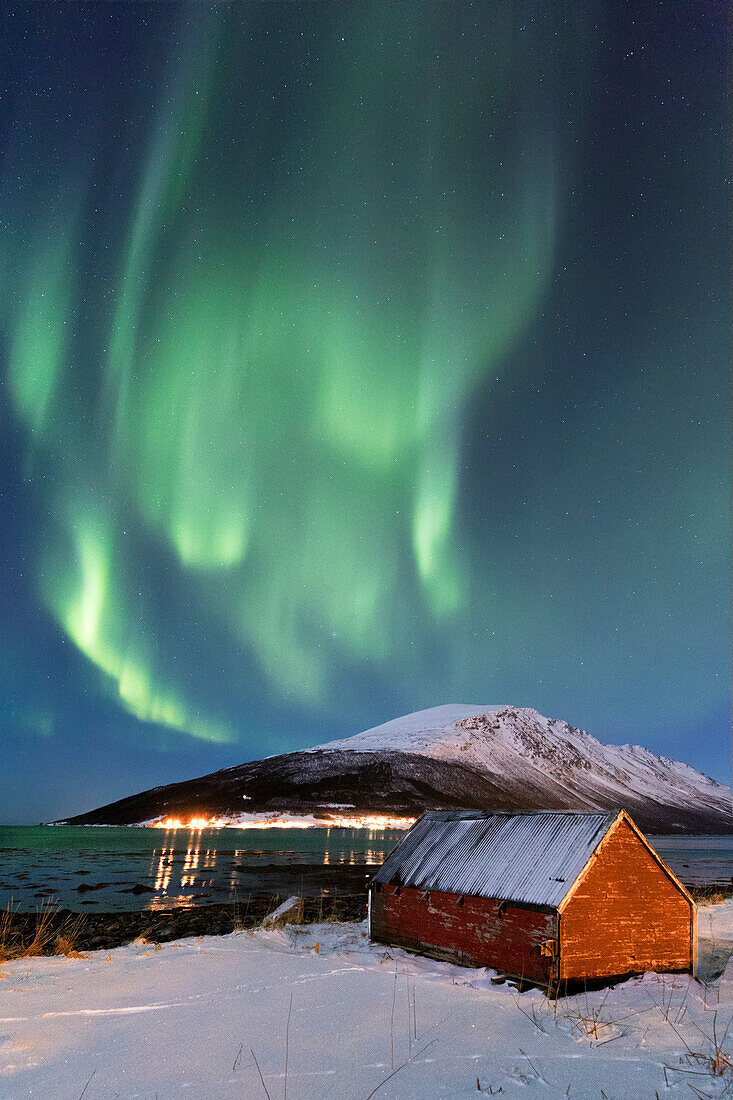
625	913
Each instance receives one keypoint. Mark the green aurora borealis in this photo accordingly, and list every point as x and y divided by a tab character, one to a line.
357	358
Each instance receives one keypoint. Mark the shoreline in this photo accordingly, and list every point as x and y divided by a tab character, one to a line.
65	932
51	931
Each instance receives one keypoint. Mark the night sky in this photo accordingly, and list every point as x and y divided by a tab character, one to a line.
357	358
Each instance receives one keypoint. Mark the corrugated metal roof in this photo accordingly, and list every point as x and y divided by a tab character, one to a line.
529	857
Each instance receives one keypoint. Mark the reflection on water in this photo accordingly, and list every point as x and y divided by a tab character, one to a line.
163	873
114	869
117	869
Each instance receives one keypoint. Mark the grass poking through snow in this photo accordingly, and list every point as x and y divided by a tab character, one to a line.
39	934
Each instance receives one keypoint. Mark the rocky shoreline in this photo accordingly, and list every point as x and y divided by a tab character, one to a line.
52	931
60	931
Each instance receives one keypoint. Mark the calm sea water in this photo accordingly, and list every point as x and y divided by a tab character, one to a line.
117	869
698	860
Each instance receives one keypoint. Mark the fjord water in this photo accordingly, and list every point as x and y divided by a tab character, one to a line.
118	868
112	869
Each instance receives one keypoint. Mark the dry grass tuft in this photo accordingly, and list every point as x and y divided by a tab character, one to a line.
711	895
65	947
712	1059
714	899
68	937
147	939
14	945
45	935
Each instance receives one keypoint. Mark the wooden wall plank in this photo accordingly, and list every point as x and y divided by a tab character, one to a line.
625	916
470	931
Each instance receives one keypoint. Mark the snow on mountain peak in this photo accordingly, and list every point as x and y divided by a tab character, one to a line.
510	743
476	732
418	732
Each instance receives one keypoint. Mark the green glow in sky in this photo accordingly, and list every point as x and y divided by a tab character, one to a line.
93	616
310	398
282	409
41	334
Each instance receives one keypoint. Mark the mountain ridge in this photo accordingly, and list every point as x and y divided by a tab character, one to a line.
452	756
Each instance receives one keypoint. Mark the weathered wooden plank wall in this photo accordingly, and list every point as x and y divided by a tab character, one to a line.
624	916
473	931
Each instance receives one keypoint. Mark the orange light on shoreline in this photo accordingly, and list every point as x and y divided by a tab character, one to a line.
254	821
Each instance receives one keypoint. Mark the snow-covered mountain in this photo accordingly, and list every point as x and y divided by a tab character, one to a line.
490	757
516	744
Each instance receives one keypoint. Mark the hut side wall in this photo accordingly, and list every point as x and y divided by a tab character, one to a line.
625	916
471	932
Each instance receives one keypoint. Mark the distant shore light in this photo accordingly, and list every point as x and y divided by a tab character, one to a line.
284	821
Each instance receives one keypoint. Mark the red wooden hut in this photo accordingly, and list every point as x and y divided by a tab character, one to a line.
553	897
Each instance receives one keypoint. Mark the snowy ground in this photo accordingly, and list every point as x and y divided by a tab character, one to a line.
188	1019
